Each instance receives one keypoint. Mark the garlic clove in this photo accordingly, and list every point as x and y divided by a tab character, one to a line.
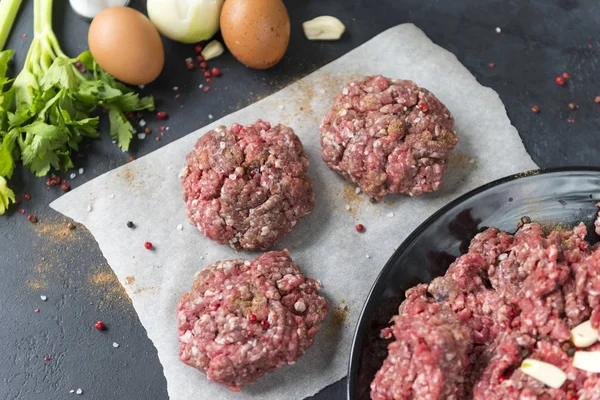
587	361
544	372
212	50
583	335
323	28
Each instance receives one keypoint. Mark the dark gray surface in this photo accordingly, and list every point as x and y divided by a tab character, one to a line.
540	39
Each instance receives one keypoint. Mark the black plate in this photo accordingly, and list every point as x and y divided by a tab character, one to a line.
563	196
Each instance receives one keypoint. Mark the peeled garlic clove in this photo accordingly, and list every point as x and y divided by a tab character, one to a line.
587	361
583	335
323	28
212	50
548	374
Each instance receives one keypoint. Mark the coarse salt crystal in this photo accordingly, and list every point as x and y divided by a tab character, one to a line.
44	298
80	171
232	177
210	116
246	263
142	123
114	142
347	207
141	136
188	60
498	30
175	88
390	214
180	227
357	190
200	86
345	91
89	208
368	256
167	128
111	196
79	391
222	145
71	391
115	345
73	175
141	86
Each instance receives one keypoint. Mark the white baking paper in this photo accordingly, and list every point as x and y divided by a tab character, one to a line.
325	244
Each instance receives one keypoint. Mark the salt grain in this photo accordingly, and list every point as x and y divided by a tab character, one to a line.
368	256
80	171
79	391
175	88
233	177
357	190
111	196
44	298
142	123
89	208
73	176
390	214
115	345
200	86
180	227
498	30
347	207
141	86
210	116
246	263
71	391
141	136
345	91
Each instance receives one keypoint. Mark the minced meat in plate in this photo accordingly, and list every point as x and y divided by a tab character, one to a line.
247	185
243	319
388	136
509	298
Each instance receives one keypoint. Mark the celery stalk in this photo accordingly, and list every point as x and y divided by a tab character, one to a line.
8	13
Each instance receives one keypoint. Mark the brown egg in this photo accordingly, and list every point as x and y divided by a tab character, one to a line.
126	45
257	32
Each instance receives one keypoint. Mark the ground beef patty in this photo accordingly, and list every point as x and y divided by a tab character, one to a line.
517	296
247	185
388	136
243	319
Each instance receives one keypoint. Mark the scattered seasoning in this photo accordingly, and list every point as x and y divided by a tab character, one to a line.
115	345
498	30
33	219
131	158
215	71
501	378
208	80
560	80
566	75
390	214
180	227
99	325
148	246
597	99
491	65
23	35
79	391
423	107
158	138
200	59
65	186
162	115
82	70
206	89
27	196
37	310
175	88
265	324
161	128
71	226
130	224
360	228
44	298
367	256
177	96
203	65
207	74
89	207
148	131
46	358
19	201
189	65
571	121
198	48
141	136
78	64
535	109
22	211
251	317
573	106
210	116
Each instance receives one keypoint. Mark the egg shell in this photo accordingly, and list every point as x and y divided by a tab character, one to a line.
257	32
126	45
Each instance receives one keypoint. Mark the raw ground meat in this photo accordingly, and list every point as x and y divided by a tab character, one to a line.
388	136
247	185
517	297
243	319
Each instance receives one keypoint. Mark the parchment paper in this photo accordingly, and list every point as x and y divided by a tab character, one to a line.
325	244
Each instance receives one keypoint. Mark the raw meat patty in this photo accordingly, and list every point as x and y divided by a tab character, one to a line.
243	319
247	185
388	136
